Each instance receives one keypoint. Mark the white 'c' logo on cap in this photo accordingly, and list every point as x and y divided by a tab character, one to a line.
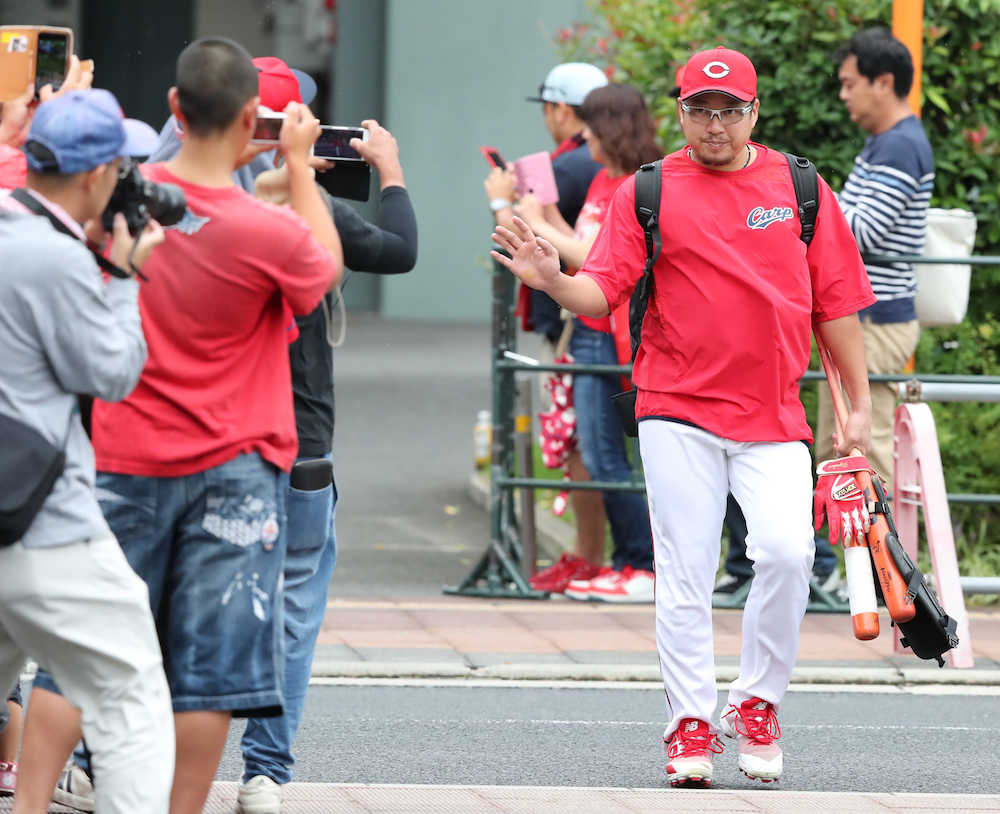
716	70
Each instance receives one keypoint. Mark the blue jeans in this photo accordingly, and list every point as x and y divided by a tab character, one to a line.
739	565
210	547
309	563
602	446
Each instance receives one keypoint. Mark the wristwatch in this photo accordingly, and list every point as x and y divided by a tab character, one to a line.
499	203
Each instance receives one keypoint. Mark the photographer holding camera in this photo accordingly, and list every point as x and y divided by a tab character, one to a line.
193	465
63	332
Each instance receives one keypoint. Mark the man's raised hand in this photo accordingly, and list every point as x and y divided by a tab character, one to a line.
534	261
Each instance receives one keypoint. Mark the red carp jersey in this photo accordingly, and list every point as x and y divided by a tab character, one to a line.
727	333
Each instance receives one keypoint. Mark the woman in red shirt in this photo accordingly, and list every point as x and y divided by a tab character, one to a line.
621	135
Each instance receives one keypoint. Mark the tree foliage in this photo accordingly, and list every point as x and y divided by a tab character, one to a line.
645	42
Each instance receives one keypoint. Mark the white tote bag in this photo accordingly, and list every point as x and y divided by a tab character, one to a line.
943	290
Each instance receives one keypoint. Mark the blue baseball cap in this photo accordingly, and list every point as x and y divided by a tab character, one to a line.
82	130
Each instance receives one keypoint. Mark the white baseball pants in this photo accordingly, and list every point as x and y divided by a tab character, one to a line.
688	474
81	611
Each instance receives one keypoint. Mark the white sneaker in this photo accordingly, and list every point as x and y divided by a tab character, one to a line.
630	585
74	789
259	795
580	588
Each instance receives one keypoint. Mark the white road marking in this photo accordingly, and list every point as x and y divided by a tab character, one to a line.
540	684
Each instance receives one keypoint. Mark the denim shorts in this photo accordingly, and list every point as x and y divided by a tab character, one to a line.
211	549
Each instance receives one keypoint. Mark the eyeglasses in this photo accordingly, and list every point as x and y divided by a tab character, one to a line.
727	115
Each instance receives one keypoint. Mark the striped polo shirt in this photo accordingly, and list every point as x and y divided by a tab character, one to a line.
885	200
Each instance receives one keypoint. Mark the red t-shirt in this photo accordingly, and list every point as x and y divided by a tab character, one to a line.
217	381
13	167
588	224
727	333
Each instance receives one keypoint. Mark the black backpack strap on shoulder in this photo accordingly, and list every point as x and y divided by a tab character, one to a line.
32	204
647	212
806	182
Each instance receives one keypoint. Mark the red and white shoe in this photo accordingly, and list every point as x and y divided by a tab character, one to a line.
630	585
690	749
580	588
755	726
567	568
8	778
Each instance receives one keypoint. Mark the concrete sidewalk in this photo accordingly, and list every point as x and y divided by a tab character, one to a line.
327	798
559	639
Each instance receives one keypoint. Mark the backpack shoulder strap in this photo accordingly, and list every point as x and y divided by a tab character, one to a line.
806	182
32	204
647	212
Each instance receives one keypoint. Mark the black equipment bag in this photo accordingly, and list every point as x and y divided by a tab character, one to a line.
647	211
931	632
31	466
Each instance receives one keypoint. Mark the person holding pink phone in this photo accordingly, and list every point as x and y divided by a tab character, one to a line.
621	135
561	95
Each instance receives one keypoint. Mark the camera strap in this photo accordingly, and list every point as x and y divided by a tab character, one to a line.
30	202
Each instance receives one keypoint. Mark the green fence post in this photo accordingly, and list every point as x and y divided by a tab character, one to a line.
498	574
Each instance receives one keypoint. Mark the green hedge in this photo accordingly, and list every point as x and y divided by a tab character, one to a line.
645	41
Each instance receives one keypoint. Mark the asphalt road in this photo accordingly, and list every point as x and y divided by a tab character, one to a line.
407	395
833	741
407	398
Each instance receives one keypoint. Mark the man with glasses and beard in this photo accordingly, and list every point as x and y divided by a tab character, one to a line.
725	341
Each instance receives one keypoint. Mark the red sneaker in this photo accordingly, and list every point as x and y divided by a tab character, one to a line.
580	588
569	567
690	749
630	585
755	725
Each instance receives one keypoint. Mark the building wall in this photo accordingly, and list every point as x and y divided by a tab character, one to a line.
252	23
456	77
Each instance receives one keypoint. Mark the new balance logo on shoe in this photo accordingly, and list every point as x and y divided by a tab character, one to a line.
690	749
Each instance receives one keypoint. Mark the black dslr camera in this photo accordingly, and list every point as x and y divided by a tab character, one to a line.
140	200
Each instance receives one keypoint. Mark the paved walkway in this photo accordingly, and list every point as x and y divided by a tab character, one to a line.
562	639
329	798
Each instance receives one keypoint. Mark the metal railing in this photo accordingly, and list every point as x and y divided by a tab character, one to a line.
503	569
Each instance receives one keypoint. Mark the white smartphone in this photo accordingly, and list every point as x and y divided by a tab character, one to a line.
268	128
334	143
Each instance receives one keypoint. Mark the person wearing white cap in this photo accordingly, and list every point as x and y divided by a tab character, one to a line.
736	293
66	582
561	95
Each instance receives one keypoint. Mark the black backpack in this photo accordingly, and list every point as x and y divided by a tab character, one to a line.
647	211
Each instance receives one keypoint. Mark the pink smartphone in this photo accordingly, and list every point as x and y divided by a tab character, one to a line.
534	174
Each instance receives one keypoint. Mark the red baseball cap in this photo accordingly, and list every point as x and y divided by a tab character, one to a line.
278	84
722	70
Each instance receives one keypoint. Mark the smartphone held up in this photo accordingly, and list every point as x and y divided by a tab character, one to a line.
333	143
34	54
492	156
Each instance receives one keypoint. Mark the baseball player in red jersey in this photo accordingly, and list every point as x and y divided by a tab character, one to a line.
725	341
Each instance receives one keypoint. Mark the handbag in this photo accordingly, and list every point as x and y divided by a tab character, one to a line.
31	466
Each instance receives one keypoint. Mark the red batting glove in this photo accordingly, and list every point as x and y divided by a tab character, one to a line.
840	501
